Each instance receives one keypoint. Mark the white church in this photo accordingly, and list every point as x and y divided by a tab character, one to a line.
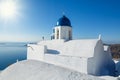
88	56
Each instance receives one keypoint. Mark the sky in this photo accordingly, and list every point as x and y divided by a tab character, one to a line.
36	18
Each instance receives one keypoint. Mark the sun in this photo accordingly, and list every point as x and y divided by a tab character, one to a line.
9	9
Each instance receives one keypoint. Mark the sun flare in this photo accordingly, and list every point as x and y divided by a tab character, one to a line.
8	9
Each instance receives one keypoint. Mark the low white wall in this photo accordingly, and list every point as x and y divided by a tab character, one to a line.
92	65
76	63
36	52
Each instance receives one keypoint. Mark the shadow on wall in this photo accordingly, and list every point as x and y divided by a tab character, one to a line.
91	66
50	51
97	68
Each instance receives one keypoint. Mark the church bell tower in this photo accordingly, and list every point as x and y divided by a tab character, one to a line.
63	29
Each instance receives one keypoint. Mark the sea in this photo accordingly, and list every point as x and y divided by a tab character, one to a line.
11	53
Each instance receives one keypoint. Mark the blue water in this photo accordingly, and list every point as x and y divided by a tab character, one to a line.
11	52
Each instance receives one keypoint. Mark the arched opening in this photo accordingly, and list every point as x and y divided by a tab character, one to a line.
57	33
70	36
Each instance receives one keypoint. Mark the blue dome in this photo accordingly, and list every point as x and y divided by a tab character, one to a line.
63	21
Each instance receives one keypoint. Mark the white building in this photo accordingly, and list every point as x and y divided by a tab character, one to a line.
89	56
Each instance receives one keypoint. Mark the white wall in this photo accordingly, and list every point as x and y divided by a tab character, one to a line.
103	61
36	52
63	32
76	63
